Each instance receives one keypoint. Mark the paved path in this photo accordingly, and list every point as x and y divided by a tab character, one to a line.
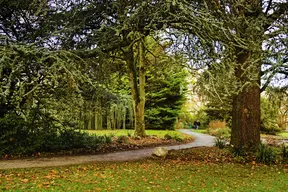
200	140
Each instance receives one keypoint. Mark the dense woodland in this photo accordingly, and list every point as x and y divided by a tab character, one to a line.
99	64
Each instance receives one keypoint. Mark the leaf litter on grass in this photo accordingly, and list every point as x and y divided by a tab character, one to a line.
199	169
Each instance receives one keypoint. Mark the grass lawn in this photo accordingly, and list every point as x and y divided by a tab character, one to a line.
284	135
171	174
119	132
199	130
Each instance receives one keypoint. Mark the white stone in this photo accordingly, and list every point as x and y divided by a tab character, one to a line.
160	151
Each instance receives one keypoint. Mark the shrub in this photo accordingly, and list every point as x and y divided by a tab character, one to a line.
220	132
284	152
129	133
266	154
17	137
167	136
216	124
268	127
220	142
122	139
269	117
70	139
175	137
238	152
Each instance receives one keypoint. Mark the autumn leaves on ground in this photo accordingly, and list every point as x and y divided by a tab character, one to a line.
198	169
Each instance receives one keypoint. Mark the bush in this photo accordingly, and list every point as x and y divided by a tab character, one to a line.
268	127
129	133
238	152
18	137
123	139
269	117
266	154
216	124
175	137
167	136
220	142
284	152
220	132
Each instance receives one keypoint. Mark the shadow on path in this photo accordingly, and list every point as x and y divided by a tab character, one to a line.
200	140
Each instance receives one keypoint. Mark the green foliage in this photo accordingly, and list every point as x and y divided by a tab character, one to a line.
173	136
220	142
238	151
266	154
284	152
19	137
269	117
165	97
220	132
278	98
71	139
123	139
129	133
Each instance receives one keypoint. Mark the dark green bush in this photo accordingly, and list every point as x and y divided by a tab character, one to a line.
18	137
266	154
220	142
167	136
237	151
284	152
175	137
123	139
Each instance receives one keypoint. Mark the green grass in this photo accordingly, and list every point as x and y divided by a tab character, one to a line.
284	135
199	130
281	135
120	132
147	175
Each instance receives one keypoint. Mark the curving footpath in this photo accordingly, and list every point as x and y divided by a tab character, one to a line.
201	140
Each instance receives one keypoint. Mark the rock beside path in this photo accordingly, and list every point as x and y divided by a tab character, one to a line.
160	151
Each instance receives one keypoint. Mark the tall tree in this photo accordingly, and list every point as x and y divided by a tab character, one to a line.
247	35
125	25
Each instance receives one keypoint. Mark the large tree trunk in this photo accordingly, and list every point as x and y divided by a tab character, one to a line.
246	104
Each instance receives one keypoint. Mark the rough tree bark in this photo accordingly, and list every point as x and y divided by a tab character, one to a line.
137	90
246	105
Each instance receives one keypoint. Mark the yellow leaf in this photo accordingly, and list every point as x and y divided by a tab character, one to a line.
53	171
25	180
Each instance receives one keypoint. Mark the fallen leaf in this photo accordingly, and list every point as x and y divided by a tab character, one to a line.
25	180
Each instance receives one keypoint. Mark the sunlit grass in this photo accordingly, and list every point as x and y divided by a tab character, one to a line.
281	135
200	130
284	135
120	132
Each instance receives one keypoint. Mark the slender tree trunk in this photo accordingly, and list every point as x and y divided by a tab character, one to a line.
137	92
246	104
140	108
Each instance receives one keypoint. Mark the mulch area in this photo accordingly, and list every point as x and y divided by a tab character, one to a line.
134	144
